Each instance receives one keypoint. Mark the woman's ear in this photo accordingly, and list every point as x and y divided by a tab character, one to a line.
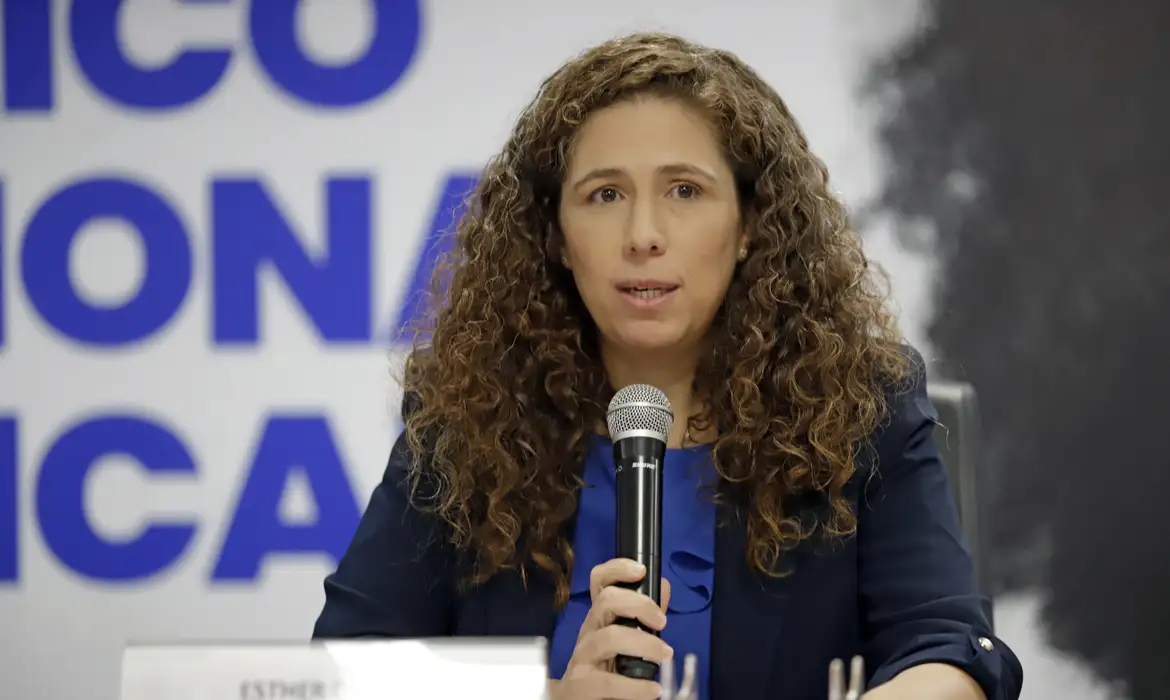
746	225
557	247
743	250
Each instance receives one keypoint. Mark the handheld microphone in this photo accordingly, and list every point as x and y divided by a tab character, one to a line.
639	420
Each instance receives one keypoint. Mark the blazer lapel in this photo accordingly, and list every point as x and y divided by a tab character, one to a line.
747	616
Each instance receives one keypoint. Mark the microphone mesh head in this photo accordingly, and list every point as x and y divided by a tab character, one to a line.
639	409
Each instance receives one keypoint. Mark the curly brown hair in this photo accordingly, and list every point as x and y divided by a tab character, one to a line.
507	385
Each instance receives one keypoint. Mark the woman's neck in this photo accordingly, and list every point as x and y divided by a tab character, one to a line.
673	373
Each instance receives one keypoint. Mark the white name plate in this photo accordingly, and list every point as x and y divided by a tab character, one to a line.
487	668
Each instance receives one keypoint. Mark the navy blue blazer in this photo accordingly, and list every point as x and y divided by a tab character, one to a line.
901	591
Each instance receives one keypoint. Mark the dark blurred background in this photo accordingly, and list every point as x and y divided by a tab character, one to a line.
1035	138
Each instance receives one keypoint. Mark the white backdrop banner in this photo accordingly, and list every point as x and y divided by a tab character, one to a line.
214	217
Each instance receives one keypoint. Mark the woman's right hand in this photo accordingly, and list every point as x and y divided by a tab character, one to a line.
590	674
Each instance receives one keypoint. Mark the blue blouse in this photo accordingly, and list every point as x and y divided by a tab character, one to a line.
688	553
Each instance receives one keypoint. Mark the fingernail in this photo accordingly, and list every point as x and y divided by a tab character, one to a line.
661	620
667	652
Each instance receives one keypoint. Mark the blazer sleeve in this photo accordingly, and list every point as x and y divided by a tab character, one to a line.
397	577
917	582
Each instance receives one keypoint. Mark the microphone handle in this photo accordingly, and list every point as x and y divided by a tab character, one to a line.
639	461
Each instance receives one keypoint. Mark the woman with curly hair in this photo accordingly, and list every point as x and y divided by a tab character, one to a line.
656	217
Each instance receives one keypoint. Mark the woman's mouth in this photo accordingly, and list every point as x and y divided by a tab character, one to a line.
648	294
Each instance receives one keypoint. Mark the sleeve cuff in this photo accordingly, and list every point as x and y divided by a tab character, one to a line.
986	659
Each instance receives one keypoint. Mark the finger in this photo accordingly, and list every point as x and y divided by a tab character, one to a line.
856	678
595	684
665	594
608	642
837	680
614	571
614	602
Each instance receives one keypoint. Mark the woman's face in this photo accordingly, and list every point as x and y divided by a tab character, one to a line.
651	221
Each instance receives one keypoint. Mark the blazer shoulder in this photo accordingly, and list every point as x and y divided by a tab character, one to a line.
398	576
907	405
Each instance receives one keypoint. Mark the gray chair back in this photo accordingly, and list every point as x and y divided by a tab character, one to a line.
958	436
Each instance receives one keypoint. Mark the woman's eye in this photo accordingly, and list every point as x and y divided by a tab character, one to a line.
685	191
605	195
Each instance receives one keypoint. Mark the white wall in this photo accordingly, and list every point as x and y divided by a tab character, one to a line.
477	63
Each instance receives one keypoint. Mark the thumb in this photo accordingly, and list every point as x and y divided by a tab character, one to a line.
665	593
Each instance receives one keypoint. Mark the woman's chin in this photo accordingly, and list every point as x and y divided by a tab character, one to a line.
650	338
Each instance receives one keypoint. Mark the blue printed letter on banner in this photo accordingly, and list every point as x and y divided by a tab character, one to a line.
397	27
289	444
61	507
